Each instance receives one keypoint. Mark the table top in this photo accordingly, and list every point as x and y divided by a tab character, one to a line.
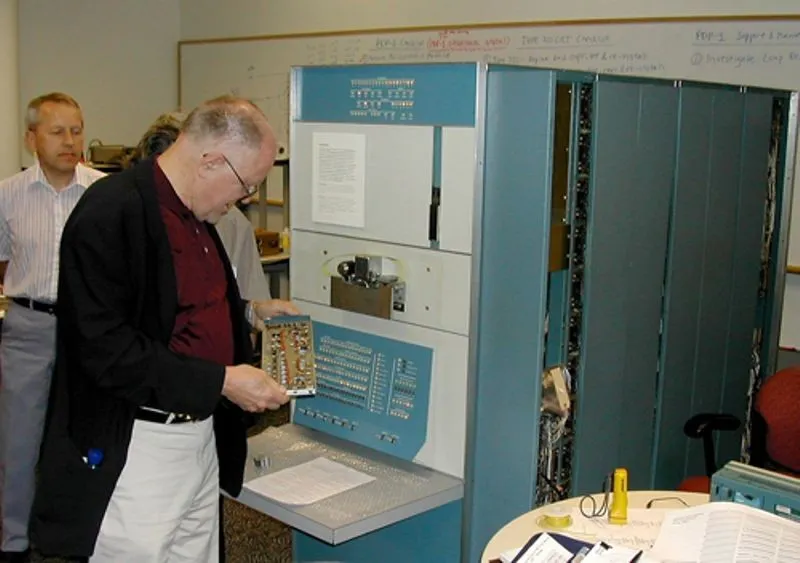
514	534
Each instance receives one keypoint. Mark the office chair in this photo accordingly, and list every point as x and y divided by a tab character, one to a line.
703	426
774	433
776	423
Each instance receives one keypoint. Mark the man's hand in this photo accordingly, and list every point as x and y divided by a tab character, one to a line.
274	308
252	389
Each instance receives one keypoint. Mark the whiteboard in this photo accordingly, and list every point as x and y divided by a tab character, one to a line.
758	52
750	53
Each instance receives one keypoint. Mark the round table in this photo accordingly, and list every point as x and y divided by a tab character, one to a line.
518	531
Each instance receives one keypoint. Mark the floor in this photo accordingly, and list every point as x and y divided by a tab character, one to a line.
250	536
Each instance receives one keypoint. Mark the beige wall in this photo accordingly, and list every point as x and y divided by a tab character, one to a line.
213	18
118	58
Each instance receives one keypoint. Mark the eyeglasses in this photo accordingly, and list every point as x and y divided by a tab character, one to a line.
249	191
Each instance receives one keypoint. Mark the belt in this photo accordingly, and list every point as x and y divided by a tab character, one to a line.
161	417
49	308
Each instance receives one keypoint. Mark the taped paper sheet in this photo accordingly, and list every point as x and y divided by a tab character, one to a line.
338	187
640	532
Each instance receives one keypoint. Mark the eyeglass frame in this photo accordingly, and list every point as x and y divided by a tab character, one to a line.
249	191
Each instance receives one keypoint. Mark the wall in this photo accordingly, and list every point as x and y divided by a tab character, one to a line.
212	18
9	88
118	58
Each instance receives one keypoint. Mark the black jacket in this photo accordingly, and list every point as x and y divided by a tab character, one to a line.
116	311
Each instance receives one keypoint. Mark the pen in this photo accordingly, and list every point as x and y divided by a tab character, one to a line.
637	557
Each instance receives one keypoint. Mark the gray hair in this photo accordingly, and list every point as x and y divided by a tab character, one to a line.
32	113
226	118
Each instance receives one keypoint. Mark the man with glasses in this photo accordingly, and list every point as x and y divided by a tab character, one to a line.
152	381
234	228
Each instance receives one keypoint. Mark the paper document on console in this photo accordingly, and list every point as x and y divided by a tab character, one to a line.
726	532
308	482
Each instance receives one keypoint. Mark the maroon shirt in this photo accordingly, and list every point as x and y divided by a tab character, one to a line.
203	324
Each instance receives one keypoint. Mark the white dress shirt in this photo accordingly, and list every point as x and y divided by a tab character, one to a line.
32	218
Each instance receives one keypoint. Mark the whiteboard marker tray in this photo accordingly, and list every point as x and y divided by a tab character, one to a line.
400	489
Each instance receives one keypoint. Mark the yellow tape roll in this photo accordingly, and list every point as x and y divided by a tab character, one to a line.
554	519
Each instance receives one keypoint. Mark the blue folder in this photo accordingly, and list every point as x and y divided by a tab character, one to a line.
572	545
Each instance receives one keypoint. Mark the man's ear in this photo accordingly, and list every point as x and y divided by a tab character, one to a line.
30	141
209	161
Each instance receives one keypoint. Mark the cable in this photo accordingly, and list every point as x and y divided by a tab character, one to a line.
603	509
660	499
600	511
561	494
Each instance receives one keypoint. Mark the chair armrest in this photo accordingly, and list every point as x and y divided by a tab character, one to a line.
704	424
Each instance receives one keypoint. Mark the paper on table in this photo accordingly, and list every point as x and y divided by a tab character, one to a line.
308	482
639	533
727	532
544	549
613	555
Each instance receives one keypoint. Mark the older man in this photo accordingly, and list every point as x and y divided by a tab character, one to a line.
34	205
152	378
234	228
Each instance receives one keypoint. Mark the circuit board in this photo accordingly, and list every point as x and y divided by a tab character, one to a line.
287	354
